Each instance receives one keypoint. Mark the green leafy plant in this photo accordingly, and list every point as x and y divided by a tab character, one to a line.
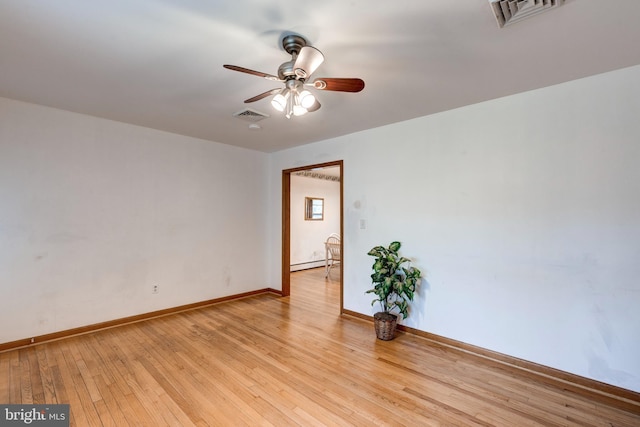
394	282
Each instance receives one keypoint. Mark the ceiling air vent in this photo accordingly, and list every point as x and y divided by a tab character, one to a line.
508	12
250	115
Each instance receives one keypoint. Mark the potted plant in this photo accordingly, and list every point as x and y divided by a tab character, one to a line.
394	283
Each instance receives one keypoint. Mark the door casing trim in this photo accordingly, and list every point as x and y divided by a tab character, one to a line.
286	225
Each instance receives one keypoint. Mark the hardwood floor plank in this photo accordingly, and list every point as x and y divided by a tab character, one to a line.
272	361
14	375
5	377
45	376
108	407
25	377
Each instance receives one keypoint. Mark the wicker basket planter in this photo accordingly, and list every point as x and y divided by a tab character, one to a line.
385	324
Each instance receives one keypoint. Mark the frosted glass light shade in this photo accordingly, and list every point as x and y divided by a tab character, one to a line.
299	110
279	102
307	99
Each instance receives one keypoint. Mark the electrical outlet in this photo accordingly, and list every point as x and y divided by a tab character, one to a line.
154	289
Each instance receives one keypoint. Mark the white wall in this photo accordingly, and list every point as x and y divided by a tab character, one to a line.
94	212
308	237
523	213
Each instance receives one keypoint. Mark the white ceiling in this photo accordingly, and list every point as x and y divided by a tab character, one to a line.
158	63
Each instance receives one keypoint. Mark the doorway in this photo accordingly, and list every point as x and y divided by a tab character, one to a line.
286	223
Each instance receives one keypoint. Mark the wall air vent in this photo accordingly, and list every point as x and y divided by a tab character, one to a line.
509	12
250	115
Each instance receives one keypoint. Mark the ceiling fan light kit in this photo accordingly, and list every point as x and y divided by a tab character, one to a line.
294	99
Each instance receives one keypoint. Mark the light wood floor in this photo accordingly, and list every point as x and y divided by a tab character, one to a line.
276	361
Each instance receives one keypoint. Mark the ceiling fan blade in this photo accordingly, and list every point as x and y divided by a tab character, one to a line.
252	72
262	95
308	60
339	84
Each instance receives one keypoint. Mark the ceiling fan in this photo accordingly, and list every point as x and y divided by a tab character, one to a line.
294	99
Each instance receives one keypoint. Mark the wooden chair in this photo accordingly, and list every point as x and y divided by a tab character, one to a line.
332	253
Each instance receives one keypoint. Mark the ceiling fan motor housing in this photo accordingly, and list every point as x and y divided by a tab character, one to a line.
293	43
285	71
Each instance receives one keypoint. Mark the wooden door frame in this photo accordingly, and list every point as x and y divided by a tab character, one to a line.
286	224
